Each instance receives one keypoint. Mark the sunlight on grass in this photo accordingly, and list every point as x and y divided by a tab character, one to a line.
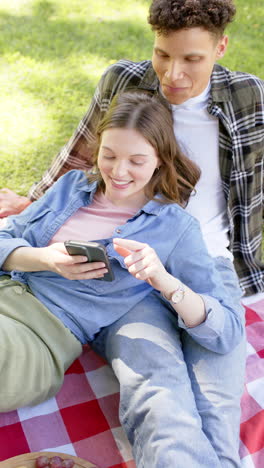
27	115
52	54
14	6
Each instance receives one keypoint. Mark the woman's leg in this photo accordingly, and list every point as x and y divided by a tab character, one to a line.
218	383
35	348
157	407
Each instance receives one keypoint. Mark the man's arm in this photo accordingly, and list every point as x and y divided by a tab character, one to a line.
77	153
11	203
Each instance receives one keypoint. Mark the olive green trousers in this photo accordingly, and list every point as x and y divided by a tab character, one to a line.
35	348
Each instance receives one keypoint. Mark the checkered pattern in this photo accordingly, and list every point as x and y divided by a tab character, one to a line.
83	418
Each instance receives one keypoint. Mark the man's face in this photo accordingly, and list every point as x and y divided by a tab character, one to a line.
183	61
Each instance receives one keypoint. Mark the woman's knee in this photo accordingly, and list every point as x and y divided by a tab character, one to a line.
28	372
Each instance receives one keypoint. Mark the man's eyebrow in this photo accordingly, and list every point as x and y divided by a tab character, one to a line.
158	49
194	53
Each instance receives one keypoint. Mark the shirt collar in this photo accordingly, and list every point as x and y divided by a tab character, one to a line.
150	80
153	207
86	186
220	87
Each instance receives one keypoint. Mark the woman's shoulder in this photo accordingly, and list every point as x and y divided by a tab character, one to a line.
174	214
76	178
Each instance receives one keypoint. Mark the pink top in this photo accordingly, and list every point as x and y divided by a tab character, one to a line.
93	222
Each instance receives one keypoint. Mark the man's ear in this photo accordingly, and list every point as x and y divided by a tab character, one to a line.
221	47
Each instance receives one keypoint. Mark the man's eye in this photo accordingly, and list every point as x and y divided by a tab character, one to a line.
161	55
194	59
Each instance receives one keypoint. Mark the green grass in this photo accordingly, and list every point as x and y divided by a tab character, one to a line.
52	53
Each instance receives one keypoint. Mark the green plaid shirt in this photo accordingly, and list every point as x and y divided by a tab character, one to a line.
237	99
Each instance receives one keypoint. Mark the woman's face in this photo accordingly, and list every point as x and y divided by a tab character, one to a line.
126	161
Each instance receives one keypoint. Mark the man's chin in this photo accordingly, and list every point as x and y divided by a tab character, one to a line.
176	98
176	101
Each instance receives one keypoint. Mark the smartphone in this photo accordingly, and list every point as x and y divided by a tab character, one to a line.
94	252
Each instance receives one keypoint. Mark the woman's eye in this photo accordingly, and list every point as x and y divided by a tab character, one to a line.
108	157
137	163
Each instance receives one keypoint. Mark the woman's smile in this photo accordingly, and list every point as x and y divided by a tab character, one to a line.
126	161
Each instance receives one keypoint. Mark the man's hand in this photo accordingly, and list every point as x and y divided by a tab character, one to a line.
11	203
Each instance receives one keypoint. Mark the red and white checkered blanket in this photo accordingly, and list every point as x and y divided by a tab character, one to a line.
83	418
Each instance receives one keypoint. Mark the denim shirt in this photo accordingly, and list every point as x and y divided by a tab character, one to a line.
85	306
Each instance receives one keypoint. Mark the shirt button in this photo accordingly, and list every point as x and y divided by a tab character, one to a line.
18	290
118	231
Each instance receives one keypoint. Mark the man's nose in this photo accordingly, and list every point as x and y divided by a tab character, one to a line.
174	71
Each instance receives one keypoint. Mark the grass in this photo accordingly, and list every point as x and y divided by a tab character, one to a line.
52	54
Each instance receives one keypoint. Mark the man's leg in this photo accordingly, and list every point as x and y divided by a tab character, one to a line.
35	348
157	407
218	383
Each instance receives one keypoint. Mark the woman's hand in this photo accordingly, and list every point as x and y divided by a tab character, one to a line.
142	262
54	258
73	267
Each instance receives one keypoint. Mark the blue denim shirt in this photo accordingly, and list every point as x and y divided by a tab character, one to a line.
85	306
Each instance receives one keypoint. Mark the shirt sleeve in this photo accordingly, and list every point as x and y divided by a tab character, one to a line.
16	232
190	261
77	153
11	236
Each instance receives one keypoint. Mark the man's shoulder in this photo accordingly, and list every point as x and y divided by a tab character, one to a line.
237	84
129	66
128	74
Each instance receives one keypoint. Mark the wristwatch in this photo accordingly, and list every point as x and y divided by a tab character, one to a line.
178	295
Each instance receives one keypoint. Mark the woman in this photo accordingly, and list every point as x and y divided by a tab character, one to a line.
166	310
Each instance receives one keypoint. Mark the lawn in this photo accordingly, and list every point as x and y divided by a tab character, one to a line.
52	53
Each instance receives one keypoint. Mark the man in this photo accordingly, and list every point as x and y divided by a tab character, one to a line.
218	121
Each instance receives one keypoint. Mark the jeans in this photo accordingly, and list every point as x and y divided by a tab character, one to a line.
179	402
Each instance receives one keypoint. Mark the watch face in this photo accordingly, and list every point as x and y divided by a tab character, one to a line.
178	295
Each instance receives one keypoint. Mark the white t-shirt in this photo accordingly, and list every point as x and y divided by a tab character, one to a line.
197	133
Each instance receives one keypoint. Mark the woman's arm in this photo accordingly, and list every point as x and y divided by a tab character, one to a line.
53	258
212	317
144	264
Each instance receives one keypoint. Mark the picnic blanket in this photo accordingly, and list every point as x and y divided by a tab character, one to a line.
83	419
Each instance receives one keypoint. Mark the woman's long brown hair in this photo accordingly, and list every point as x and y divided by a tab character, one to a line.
152	118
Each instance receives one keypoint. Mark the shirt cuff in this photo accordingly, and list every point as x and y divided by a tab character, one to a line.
7	247
213	325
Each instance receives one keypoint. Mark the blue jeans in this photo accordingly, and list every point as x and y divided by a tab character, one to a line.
179	402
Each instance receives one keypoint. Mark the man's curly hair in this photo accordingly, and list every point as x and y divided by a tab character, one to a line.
172	15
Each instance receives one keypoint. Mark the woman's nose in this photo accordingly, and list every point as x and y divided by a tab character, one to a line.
119	168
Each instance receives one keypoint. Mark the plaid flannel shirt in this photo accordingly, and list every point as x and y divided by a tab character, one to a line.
237	100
